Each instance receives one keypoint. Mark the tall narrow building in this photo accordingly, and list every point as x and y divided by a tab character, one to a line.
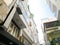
15	23
54	6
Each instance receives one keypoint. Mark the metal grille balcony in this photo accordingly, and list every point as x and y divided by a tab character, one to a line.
51	24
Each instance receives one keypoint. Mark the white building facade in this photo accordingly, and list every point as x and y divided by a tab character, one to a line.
54	6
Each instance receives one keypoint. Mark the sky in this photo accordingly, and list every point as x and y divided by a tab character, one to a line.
40	10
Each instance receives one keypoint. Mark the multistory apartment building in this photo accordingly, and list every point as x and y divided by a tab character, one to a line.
25	32
15	23
52	30
34	31
46	20
54	6
7	11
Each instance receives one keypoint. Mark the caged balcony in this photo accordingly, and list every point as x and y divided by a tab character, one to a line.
7	10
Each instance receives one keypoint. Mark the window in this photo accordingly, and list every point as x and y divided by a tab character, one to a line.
50	4
26	42
11	25
56	13
22	39
54	8
22	0
14	33
13	30
9	31
18	33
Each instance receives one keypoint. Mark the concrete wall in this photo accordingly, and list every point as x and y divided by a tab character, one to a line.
3	10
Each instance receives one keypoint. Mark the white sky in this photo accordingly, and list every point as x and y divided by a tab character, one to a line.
40	11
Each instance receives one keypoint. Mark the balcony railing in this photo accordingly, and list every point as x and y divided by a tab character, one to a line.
52	24
14	31
21	6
